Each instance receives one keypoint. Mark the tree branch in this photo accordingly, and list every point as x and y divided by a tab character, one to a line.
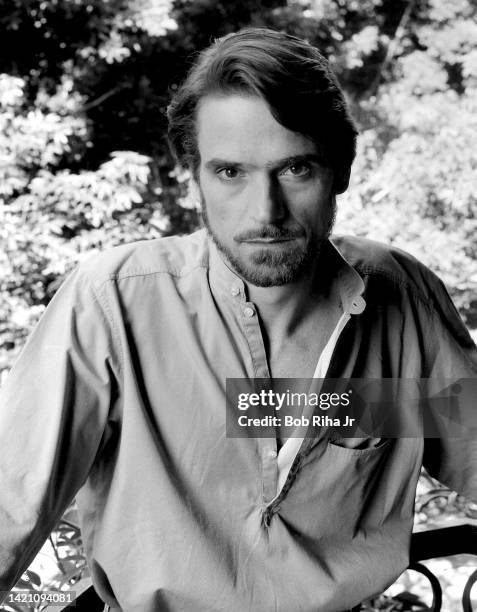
391	50
102	98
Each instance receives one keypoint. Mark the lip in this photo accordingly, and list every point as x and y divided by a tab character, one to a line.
268	240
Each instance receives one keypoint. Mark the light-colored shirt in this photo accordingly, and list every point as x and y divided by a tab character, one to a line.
119	397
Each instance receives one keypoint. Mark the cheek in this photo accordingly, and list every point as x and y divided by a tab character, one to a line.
219	211
209	198
309	203
311	209
223	203
216	204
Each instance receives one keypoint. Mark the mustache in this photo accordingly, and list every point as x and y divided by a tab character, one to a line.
269	231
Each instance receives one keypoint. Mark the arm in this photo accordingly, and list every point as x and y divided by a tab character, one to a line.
53	410
453	461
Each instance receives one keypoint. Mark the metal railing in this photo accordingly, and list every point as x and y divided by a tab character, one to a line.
444	542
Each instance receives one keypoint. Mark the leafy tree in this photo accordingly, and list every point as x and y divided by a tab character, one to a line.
414	180
52	217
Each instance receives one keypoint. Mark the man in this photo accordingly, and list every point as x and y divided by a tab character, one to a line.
119	395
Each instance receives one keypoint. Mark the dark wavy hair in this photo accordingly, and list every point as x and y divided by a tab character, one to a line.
288	73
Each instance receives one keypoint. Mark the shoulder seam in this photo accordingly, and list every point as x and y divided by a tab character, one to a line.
119	277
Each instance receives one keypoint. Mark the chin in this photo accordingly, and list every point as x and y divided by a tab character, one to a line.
267	268
260	278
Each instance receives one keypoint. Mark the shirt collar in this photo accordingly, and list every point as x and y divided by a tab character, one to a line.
221	276
350	283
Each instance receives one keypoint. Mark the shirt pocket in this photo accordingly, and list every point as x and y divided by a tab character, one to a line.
345	484
368	487
348	494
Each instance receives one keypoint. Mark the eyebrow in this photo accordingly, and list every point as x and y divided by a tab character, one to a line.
273	165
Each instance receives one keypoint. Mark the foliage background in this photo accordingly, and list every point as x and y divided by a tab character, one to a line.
84	163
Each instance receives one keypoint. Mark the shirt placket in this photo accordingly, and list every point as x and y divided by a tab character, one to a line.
267	446
351	286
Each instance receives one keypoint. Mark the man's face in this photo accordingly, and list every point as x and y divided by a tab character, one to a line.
267	201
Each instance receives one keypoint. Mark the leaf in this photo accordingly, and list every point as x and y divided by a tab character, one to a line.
34	578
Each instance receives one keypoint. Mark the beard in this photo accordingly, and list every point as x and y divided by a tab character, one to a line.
269	267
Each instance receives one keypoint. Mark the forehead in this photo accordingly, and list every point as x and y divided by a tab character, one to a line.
242	129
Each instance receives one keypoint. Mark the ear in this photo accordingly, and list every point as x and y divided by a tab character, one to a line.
341	181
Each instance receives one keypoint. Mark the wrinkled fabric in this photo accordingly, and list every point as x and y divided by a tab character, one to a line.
119	397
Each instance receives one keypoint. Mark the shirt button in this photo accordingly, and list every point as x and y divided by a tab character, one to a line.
357	306
248	312
272	454
235	290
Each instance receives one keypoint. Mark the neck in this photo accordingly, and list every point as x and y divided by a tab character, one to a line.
283	308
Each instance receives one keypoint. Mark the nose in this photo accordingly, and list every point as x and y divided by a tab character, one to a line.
267	201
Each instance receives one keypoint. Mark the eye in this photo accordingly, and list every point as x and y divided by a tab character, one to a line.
298	170
228	173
